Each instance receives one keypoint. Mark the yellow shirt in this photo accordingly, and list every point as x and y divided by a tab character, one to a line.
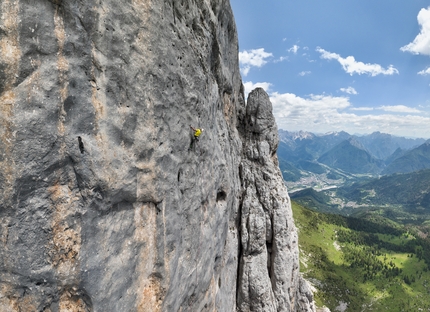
197	133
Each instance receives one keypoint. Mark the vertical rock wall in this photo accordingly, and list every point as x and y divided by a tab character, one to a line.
103	207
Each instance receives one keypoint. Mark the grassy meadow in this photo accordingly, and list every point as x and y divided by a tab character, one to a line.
363	265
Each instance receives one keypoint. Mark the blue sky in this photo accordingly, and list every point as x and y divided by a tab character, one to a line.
358	65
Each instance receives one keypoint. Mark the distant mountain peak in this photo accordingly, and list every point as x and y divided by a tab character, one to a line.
380	134
302	135
412	160
336	133
354	142
351	156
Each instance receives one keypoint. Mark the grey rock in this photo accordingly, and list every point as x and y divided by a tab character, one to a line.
269	278
126	218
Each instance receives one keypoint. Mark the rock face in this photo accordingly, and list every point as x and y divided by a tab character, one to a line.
269	262
102	205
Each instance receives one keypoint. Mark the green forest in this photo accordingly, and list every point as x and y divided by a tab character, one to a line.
366	264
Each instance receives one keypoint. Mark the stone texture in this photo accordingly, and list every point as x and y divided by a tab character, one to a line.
126	218
269	278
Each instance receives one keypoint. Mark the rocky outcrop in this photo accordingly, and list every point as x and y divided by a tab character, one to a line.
269	277
103	206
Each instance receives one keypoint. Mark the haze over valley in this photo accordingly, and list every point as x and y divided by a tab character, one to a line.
338	158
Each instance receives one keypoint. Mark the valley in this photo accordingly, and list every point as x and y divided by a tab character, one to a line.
324	181
342	174
362	208
362	265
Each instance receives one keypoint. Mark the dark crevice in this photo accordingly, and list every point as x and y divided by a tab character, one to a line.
269	259
221	195
241	176
79	181
81	145
239	243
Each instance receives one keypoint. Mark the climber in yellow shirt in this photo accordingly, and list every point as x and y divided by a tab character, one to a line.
197	133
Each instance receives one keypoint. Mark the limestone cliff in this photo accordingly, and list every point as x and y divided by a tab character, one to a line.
269	263
102	205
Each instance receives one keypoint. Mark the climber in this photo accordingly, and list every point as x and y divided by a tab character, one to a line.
197	133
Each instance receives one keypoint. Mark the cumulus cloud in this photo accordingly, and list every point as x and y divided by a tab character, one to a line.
253	58
351	66
399	109
249	86
424	72
304	73
324	113
294	49
421	43
316	107
349	90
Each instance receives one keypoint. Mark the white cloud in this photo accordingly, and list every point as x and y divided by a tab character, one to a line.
324	113
424	72
399	109
304	73
253	58
316	107
281	59
349	90
363	108
351	66
294	49
421	43
249	86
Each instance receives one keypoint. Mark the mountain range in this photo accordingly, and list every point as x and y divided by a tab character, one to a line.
410	161
351	156
342	153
